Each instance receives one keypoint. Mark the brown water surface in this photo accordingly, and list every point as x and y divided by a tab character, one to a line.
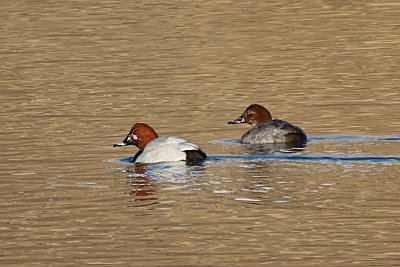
75	75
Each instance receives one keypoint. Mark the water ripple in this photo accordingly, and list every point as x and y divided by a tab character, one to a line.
316	138
354	138
310	158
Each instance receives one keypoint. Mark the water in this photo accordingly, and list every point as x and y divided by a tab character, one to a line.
76	75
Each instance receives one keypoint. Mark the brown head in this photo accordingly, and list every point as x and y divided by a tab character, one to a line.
140	135
253	115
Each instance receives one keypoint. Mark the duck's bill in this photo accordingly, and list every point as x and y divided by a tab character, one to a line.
237	121
119	144
129	140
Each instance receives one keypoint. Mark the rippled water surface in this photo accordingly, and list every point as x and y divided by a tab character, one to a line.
75	75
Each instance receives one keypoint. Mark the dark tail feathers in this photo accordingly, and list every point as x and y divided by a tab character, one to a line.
195	157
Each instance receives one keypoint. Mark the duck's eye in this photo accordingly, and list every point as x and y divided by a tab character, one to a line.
249	112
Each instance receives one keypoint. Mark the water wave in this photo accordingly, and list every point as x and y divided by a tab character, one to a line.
292	157
309	158
316	138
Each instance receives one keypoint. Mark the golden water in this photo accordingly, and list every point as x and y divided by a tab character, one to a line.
75	75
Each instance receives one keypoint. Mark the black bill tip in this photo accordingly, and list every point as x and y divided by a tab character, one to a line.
237	121
119	144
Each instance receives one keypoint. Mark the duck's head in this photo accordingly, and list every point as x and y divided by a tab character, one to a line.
140	135
253	115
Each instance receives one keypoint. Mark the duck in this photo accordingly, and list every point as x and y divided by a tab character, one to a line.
154	149
266	130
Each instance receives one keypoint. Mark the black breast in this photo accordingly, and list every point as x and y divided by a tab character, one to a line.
195	157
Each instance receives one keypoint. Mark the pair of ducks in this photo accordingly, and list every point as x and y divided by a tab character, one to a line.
265	130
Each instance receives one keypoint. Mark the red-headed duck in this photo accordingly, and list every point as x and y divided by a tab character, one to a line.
267	130
153	148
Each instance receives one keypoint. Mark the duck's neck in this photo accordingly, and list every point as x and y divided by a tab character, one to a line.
145	140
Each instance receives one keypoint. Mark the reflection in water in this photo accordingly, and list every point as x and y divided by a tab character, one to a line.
292	147
299	152
143	188
143	178
262	180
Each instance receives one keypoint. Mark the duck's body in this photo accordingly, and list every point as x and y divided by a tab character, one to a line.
274	131
267	130
153	149
169	148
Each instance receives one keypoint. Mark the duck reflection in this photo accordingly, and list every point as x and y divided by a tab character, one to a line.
145	179
292	147
143	189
